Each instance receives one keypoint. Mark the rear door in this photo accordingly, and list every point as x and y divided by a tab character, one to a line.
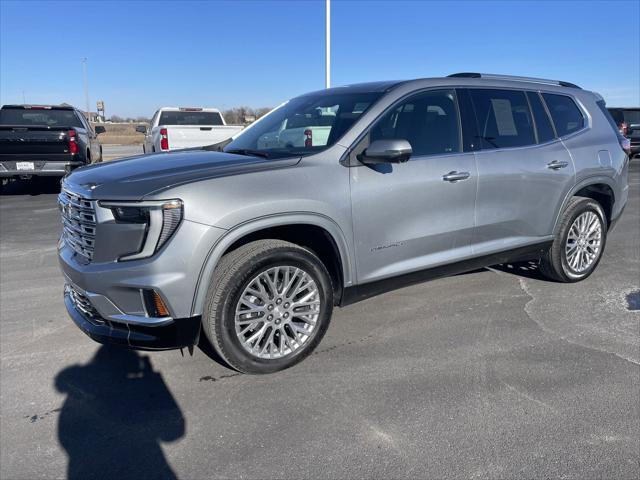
524	170
414	215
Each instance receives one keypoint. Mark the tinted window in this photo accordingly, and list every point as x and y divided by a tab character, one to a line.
503	117
428	121
190	118
617	115
37	116
305	125
566	115
543	124
631	117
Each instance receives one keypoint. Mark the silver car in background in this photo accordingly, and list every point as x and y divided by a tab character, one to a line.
335	196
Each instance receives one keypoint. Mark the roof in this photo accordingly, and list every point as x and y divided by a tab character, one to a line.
459	79
43	107
367	87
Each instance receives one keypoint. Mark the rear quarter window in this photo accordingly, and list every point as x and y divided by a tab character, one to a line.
565	114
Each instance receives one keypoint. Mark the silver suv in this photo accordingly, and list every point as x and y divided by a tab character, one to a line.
332	197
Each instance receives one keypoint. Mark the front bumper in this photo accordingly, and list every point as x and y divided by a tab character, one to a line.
179	333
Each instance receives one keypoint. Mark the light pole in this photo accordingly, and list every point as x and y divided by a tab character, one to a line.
327	45
86	87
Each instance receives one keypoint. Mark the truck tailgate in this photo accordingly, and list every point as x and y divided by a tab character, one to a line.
38	142
188	136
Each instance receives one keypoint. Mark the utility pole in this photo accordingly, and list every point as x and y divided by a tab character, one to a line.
327	45
24	102
86	87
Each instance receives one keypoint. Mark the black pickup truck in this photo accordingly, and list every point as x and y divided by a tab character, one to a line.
45	140
628	121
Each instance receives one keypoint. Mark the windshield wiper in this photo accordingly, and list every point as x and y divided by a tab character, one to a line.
248	151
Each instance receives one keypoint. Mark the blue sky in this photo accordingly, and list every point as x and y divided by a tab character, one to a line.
144	54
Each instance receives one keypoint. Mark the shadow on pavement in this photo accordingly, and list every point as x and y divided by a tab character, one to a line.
528	269
117	411
32	186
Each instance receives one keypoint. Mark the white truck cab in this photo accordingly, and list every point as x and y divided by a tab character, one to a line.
177	128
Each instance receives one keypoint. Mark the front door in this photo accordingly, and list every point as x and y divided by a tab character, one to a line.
418	214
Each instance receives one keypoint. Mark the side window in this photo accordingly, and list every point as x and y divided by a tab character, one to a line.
566	115
83	121
543	124
503	117
428	121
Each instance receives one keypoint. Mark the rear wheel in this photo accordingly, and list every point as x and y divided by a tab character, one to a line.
579	243
268	306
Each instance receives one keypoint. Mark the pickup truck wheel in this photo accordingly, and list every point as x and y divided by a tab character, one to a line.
268	306
579	243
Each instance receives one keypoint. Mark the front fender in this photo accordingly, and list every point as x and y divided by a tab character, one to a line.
241	230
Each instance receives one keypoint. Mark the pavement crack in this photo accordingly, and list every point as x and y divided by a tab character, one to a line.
527	311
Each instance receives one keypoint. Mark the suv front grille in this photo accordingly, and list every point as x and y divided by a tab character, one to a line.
78	223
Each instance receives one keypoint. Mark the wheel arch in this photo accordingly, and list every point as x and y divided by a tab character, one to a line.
314	231
598	188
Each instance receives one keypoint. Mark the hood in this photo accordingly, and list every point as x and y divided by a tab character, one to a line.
136	177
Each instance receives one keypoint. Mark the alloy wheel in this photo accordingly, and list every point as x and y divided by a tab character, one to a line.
277	312
584	242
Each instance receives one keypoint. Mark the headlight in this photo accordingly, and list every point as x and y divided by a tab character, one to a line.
162	218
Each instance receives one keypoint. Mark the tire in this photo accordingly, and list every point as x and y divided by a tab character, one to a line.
561	262
226	320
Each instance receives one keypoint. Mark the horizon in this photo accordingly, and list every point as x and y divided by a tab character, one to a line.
266	52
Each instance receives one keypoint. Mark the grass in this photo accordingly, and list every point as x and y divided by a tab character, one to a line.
120	134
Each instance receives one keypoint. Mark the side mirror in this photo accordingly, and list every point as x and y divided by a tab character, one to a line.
141	129
99	129
386	151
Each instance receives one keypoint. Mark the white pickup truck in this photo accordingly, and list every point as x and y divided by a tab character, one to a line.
177	128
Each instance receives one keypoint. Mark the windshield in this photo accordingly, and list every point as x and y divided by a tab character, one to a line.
51	118
304	125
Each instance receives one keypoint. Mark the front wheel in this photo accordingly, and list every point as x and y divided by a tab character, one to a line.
268	306
579	243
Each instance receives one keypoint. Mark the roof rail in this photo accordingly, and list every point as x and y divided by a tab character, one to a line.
513	77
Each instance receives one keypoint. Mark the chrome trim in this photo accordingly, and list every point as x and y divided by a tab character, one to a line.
82	301
142	203
78	217
141	321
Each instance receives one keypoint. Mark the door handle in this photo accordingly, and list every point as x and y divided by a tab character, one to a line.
556	165
455	176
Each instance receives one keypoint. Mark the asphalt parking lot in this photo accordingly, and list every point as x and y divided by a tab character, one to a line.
492	374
